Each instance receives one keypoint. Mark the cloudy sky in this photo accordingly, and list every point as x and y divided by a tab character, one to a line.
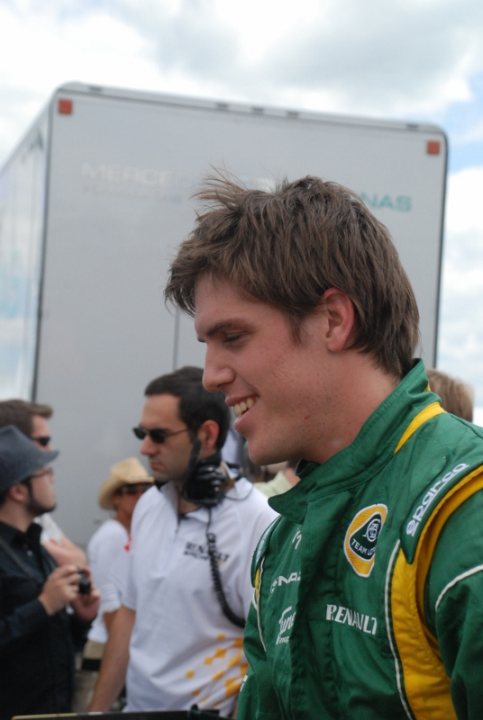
418	60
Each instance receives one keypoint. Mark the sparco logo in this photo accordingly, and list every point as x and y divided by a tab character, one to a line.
427	500
361	538
285	622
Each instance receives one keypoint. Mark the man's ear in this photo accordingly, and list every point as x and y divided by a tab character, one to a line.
18	492
208	434
340	319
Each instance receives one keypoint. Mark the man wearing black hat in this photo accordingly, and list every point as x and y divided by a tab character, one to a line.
36	650
33	418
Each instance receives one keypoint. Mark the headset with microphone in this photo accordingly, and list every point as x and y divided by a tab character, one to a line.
204	484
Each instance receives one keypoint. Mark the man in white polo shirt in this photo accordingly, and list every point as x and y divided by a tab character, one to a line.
179	631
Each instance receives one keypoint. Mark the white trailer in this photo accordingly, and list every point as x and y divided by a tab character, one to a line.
93	203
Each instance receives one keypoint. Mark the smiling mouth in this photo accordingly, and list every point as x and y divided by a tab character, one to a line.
242	407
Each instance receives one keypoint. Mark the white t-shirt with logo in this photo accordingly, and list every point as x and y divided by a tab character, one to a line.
183	650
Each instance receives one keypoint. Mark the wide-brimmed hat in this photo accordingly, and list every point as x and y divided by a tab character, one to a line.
125	472
20	458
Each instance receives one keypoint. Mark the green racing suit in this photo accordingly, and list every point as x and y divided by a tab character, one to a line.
369	588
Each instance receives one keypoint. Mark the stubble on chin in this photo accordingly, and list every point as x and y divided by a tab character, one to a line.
37	509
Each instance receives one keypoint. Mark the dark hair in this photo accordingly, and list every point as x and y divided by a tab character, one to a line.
287	247
20	413
195	403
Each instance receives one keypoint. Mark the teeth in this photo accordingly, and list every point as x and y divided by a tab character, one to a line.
243	406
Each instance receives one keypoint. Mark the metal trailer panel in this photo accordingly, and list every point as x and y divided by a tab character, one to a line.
122	169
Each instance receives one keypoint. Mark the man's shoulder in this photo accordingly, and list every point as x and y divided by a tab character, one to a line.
110	529
7	531
149	501
248	506
454	484
452	434
247	498
152	507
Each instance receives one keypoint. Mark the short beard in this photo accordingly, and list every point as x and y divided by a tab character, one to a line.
36	509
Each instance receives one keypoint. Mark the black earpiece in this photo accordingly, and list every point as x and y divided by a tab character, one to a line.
204	481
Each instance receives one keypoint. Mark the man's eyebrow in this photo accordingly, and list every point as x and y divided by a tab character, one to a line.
213	330
219	327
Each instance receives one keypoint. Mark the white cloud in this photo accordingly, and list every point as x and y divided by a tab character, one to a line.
404	59
54	49
380	58
41	50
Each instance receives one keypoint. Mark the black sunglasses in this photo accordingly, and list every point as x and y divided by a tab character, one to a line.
42	440
157	435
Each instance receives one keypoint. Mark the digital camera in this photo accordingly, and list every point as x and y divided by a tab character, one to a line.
85	584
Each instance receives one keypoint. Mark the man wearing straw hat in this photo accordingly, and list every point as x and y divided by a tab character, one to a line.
36	650
108	548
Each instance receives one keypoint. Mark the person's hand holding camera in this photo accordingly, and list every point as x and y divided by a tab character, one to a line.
86	602
60	589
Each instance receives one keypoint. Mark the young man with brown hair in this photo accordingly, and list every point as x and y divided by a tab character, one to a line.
368	589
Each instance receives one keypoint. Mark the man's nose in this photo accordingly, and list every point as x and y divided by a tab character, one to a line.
148	447
217	374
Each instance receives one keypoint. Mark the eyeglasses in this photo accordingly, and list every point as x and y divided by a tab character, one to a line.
135	489
42	440
157	435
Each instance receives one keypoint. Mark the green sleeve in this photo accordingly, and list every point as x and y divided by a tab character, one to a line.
454	605
257	699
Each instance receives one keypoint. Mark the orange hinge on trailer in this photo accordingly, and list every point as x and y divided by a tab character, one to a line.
433	147
65	106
